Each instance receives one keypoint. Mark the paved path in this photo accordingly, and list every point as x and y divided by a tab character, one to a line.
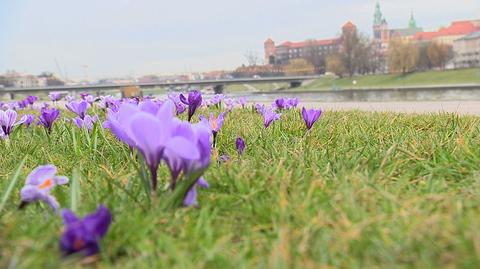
459	107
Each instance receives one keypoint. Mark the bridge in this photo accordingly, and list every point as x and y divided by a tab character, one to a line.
218	85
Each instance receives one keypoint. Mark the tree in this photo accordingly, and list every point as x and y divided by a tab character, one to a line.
298	67
423	60
311	53
402	56
252	58
335	65
439	54
350	42
365	58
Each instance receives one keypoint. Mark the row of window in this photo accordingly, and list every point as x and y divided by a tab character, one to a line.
319	48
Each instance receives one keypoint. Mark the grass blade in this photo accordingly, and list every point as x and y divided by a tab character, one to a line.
74	190
13	181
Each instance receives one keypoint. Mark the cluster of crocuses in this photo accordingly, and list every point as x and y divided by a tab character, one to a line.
80	235
269	114
83	120
310	116
154	131
285	103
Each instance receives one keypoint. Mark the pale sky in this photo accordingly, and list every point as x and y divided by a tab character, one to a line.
138	37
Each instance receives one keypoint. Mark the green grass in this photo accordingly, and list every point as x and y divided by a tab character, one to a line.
361	190
448	77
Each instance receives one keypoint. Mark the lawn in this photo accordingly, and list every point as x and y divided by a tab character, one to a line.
448	77
361	190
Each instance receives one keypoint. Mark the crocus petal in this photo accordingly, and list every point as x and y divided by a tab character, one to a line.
69	217
166	111
40	173
183	99
11	117
202	183
79	122
60	180
22	120
183	148
146	136
98	222
30	193
51	201
191	197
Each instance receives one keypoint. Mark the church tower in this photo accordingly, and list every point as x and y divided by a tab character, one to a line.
412	24
381	33
377	22
269	47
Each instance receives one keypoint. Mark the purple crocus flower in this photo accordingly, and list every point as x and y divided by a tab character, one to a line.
39	184
215	123
217	99
180	107
292	102
90	99
242	101
260	108
84	95
310	116
269	116
23	103
48	117
87	122
229	103
240	144
31	99
200	135
69	98
193	101
108	102
152	134
78	107
280	103
8	120
55	96
29	120
83	235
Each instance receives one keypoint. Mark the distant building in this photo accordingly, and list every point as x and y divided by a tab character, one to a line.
314	50
18	80
382	34
447	35
467	51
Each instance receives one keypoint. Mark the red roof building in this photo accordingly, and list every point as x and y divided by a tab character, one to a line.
315	48
447	35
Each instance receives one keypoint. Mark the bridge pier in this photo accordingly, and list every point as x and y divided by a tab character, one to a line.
295	84
218	88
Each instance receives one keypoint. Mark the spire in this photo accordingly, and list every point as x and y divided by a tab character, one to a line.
378	16
412	23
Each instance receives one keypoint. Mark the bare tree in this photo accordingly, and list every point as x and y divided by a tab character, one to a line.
252	58
439	54
365	59
423	59
350	43
312	54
